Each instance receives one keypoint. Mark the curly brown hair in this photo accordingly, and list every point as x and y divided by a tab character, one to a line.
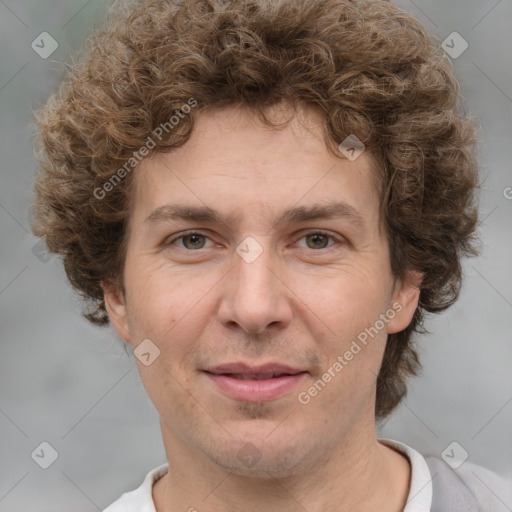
368	67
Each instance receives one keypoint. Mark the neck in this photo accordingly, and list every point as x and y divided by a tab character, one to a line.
358	475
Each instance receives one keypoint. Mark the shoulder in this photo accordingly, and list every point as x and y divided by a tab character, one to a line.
468	488
140	499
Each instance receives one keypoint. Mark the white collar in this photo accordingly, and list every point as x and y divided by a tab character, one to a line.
420	490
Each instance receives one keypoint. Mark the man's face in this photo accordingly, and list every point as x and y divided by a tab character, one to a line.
287	297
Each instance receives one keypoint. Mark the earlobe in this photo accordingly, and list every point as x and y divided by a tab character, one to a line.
115	305
405	301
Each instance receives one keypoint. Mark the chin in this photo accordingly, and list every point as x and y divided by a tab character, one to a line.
264	463
262	449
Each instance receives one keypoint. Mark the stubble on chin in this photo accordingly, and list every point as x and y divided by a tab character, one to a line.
254	410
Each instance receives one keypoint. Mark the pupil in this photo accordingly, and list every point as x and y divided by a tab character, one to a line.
193	238
316	236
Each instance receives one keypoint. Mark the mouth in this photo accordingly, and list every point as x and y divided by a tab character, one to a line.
267	370
263	383
245	376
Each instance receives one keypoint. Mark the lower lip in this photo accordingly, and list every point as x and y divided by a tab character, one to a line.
256	390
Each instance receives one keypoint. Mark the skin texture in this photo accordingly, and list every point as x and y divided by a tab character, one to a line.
301	302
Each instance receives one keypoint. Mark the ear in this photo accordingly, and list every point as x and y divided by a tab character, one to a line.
405	301
115	304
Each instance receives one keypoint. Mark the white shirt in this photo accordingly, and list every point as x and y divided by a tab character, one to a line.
418	500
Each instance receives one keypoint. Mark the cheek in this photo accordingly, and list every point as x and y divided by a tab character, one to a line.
159	297
345	303
165	388
346	310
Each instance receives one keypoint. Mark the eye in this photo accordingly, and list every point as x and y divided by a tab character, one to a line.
318	239
191	240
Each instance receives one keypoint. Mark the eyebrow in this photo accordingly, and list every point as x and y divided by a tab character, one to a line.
171	212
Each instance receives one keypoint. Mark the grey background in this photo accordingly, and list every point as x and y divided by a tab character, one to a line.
75	386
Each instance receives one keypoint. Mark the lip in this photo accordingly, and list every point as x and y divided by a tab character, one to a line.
250	389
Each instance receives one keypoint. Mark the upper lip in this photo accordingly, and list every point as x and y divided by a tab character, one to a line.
246	369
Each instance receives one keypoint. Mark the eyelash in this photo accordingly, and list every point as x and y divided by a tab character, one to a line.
188	233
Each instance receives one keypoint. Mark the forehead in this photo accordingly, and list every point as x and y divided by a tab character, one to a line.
232	161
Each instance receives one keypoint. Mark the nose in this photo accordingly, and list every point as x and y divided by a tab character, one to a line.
256	297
